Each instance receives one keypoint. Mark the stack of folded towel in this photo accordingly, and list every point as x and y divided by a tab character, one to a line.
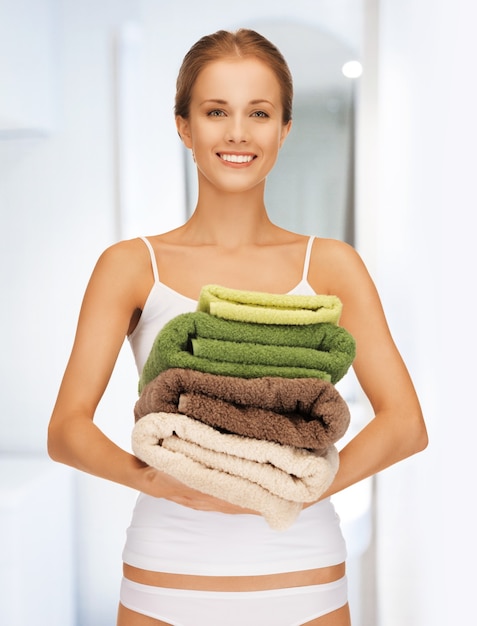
238	401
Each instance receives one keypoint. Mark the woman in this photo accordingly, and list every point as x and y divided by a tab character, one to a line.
191	559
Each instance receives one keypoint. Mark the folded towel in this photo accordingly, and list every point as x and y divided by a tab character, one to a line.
305	412
266	308
173	347
258	354
263	476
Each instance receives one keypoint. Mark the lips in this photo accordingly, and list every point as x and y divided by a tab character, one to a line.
236	158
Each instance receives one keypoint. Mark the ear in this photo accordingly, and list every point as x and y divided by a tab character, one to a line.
285	130
183	128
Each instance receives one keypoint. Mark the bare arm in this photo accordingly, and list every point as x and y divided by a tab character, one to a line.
116	289
397	430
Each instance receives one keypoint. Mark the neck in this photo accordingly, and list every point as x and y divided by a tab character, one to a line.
230	220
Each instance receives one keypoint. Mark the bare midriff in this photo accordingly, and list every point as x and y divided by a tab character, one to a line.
263	582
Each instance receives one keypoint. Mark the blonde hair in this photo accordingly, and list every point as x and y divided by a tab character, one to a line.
223	44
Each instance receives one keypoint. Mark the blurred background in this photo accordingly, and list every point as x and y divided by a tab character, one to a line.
385	160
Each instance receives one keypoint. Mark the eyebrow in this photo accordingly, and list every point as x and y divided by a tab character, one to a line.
220	101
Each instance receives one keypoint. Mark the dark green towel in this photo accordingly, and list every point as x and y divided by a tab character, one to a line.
259	354
173	348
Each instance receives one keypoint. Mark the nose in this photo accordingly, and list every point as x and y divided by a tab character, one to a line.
237	130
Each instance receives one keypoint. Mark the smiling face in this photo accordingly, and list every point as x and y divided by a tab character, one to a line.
235	126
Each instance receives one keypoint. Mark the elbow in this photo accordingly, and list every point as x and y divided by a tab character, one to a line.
53	444
50	446
420	438
409	433
423	440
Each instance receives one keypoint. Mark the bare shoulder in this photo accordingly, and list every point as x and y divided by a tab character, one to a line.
336	266
126	260
334	250
123	274
338	269
128	255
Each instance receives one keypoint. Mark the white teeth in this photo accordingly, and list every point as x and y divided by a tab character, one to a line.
237	158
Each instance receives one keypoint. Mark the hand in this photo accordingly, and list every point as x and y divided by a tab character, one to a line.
161	485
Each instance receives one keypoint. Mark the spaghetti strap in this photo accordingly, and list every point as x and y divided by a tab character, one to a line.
153	258
306	265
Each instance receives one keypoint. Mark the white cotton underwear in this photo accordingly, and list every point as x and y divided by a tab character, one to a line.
292	606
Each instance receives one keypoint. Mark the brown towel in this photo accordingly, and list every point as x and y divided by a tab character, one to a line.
304	412
263	476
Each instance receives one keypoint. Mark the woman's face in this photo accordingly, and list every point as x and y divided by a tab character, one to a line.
235	126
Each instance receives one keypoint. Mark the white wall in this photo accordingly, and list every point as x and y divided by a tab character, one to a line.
426	257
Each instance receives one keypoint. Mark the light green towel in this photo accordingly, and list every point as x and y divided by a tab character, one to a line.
266	308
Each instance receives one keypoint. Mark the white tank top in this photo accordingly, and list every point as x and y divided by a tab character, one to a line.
164	303
167	537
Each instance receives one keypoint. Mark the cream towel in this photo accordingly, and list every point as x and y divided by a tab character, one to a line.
264	476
